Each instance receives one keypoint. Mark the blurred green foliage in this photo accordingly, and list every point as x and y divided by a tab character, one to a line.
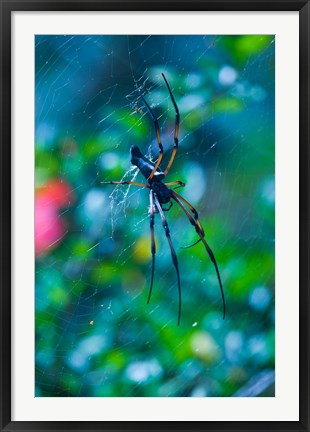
95	334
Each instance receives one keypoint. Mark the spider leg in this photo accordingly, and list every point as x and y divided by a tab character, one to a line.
191	245
173	254
208	249
153	245
192	209
161	149
127	183
179	183
176	128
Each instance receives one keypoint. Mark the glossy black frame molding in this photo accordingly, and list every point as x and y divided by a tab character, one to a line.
6	8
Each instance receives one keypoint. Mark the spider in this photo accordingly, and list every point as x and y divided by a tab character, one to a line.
160	194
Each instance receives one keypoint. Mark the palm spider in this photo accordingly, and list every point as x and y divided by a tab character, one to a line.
160	194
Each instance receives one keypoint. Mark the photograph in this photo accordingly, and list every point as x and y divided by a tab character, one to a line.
154	215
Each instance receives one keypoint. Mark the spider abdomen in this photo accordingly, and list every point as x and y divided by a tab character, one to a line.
144	164
162	192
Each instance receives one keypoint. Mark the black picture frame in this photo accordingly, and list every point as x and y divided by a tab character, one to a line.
7	7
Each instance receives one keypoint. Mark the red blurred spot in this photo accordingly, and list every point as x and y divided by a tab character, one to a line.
50	227
57	191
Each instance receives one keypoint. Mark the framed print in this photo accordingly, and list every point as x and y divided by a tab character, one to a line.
154	215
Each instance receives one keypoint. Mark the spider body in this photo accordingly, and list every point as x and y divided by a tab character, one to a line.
163	193
145	166
160	194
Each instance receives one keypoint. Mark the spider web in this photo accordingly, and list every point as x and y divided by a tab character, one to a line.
95	334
